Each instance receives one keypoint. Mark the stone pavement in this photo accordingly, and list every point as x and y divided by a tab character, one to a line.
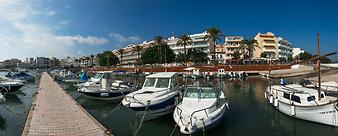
55	112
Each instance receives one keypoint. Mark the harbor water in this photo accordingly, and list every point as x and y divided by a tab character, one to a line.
14	112
250	113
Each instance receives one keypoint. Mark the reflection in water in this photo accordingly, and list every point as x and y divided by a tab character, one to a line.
250	114
2	123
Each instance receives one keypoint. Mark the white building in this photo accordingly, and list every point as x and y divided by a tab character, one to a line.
130	56
285	48
297	51
232	44
198	43
42	62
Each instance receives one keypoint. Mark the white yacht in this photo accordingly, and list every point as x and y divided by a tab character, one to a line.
96	80
158	96
304	103
114	91
202	108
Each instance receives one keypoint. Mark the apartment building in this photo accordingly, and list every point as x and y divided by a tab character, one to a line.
130	56
285	49
198	43
267	44
233	44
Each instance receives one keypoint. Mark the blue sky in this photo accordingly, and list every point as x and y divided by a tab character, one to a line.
60	28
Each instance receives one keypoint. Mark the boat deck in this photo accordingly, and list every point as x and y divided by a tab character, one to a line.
55	112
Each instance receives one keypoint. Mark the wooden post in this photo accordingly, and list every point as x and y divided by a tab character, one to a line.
318	68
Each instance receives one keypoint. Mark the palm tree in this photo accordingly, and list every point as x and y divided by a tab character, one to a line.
184	40
249	45
92	58
213	34
159	41
121	51
138	49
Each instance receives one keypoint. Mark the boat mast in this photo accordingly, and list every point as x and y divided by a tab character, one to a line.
318	67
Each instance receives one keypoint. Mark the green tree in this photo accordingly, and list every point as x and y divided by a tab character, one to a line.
166	55
158	43
92	59
305	55
249	45
290	58
107	58
138	49
198	56
263	55
121	51
184	40
213	34
237	55
181	58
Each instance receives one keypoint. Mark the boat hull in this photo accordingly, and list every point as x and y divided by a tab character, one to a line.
326	114
155	110
11	88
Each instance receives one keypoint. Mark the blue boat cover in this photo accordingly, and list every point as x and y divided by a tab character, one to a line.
84	76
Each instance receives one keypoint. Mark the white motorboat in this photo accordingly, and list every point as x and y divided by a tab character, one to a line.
202	108
158	96
66	75
109	90
303	103
96	80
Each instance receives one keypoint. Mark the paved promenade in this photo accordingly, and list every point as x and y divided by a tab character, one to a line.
54	112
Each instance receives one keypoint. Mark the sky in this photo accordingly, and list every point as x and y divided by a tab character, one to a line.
60	28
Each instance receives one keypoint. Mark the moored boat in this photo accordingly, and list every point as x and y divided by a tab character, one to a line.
202	108
303	103
158	96
109	91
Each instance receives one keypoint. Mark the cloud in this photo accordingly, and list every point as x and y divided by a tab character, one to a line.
18	38
64	22
51	13
125	39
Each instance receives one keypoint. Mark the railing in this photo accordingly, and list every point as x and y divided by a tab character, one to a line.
192	114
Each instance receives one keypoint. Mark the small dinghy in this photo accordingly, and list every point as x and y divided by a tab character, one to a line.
108	91
202	108
158	96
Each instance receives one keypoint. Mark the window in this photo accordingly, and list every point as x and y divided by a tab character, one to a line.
311	98
150	82
208	93
295	98
321	95
286	96
162	83
191	92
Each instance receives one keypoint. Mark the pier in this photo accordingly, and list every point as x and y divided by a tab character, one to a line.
55	112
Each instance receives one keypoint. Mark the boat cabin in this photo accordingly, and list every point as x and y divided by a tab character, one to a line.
161	80
298	95
200	92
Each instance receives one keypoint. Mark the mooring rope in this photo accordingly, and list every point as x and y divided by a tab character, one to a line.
139	127
172	132
114	109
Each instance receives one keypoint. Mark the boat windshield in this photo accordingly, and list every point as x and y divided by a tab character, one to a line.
150	82
161	82
197	92
98	76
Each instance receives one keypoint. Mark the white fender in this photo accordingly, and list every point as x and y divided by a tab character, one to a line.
275	103
271	99
293	111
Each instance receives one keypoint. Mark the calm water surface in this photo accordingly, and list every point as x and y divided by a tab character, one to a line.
13	113
250	113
